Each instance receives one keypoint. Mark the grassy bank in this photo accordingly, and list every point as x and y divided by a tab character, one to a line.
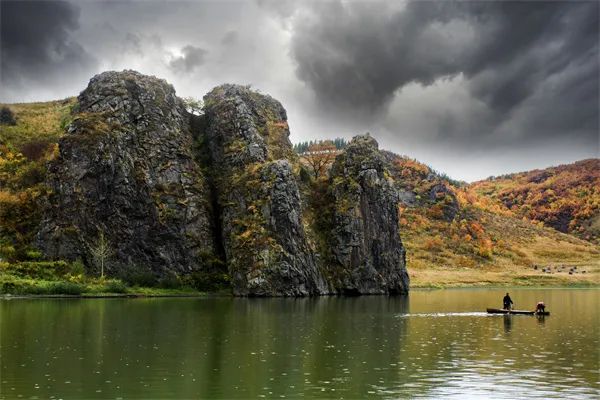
59	278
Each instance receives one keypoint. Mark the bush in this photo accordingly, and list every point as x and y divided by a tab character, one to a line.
114	286
46	270
137	276
63	288
207	281
10	284
7	117
36	148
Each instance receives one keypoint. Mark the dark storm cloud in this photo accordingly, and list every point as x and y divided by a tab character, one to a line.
191	58
357	56
37	42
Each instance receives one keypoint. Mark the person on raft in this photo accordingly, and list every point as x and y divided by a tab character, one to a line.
507	301
540	307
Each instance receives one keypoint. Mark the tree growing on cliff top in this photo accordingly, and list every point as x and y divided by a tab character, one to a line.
101	251
193	106
319	156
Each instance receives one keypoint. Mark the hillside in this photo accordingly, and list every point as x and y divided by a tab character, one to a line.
566	197
201	202
451	231
455	235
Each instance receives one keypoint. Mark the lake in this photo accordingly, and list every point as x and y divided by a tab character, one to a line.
435	344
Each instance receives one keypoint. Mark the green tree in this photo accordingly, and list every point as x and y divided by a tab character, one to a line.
193	106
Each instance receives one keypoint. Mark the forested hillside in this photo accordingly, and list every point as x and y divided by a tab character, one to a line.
566	197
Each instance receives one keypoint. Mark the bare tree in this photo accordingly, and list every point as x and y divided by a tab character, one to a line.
101	251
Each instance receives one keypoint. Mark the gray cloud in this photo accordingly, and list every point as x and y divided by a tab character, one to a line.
458	85
229	38
357	57
191	58
37	43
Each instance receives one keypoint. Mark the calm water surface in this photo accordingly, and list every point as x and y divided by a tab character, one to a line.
435	344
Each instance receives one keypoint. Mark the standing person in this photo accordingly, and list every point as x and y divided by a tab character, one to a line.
540	307
507	301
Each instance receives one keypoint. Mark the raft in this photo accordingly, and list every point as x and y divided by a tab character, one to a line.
518	312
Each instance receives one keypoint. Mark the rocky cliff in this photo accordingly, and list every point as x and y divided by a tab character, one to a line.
126	172
264	241
175	194
367	252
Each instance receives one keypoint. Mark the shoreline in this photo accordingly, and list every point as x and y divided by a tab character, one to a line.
222	294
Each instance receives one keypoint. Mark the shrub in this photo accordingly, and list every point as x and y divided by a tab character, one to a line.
114	286
36	148
137	276
47	270
64	288
7	117
206	281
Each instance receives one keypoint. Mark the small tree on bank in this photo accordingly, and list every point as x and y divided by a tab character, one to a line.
101	251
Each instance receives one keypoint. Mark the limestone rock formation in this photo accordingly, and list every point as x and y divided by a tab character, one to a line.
252	159
367	253
176	194
126	170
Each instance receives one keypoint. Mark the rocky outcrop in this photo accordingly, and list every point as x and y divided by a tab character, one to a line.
366	250
443	196
125	171
175	194
263	237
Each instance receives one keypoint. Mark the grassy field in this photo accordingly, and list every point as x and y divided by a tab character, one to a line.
546	259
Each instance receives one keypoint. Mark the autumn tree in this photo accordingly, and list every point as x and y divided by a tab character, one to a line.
319	156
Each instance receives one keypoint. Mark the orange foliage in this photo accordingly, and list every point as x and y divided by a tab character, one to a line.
566	197
319	157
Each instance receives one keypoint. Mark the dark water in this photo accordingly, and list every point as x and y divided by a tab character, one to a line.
434	344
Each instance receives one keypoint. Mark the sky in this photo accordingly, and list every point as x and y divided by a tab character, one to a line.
474	88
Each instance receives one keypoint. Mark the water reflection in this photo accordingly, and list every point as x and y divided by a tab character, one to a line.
507	323
437	345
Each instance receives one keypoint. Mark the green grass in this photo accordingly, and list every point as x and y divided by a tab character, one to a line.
23	286
63	278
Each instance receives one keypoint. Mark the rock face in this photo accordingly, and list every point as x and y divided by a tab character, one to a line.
441	194
175	194
368	256
263	237
126	170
